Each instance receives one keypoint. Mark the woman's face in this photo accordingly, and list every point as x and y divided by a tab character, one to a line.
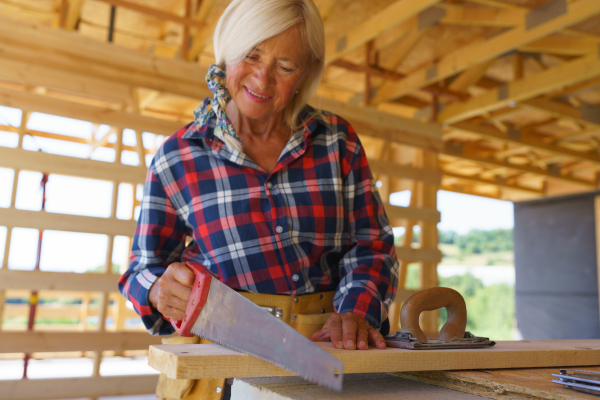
265	82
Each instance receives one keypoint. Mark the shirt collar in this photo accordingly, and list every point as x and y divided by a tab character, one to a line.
312	119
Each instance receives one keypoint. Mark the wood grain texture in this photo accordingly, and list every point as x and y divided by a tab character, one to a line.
360	386
44	389
502	384
214	361
32	342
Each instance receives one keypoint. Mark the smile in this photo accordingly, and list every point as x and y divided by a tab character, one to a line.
257	95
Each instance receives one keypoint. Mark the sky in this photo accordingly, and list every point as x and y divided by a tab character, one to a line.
78	252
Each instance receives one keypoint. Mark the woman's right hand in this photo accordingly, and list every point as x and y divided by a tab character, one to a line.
170	293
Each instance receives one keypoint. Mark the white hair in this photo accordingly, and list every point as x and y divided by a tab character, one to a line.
247	23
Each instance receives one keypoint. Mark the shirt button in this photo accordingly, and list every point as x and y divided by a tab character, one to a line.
269	185
279	229
295	277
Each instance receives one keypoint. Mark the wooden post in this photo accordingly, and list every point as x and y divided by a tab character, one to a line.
103	298
185	45
428	239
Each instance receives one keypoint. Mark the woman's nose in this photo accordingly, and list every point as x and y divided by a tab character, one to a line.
263	76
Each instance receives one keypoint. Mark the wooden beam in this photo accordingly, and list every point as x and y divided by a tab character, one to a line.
524	89
42	389
470	76
562	45
31	342
214	361
395	170
40	280
493	133
561	110
429	215
155	12
453	151
70	166
31	73
72	14
471	16
66	222
326	7
68	51
483	50
63	108
408	254
375	71
496	182
396	13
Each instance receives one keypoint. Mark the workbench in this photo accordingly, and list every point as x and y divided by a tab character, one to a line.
511	369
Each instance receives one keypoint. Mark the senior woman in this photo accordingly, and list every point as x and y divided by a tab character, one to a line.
276	196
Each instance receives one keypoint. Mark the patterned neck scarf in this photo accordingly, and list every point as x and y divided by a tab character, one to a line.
202	113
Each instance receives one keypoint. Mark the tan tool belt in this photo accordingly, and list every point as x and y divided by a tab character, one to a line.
307	314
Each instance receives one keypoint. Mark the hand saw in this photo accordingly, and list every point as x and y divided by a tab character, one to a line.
220	314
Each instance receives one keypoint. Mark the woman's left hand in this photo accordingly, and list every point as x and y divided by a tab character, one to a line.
345	330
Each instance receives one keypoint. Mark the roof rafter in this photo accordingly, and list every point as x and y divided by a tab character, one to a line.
524	89
485	49
396	13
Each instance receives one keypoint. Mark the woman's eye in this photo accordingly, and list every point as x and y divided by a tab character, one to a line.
286	69
252	58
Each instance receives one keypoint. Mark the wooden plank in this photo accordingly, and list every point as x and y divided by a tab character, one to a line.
524	89
409	254
396	13
44	389
40	280
66	222
522	384
471	16
214	361
356	387
485	49
430	215
30	342
72	52
70	166
30	73
59	311
405	171
63	108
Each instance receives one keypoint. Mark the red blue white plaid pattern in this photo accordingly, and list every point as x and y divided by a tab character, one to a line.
315	224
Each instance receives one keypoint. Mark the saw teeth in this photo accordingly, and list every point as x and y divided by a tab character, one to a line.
312	380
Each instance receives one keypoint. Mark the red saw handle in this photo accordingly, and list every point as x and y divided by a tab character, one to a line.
197	299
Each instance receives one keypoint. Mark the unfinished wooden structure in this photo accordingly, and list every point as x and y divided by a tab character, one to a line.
496	98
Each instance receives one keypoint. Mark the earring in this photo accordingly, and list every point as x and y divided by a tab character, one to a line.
297	91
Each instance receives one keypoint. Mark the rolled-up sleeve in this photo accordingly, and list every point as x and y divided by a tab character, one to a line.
369	270
158	242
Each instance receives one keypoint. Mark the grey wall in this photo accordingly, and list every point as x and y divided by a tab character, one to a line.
555	263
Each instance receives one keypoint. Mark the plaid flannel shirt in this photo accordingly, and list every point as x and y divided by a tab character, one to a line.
315	223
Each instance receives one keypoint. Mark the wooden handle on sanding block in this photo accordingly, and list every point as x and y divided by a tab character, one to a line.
433	299
197	298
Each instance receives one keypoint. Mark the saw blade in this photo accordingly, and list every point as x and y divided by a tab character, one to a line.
231	320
